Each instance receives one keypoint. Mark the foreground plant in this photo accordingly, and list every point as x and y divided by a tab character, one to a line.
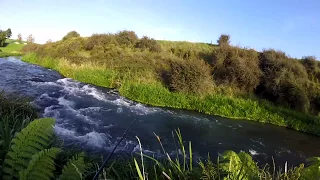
31	155
229	166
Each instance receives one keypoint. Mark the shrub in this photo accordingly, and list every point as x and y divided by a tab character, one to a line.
30	47
184	53
236	66
148	43
99	40
127	38
70	46
312	67
71	34
192	77
284	79
224	39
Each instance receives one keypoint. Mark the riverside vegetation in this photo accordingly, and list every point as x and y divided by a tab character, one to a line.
10	47
198	77
224	80
30	151
7	46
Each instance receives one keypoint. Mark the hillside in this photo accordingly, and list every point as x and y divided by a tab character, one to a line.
223	80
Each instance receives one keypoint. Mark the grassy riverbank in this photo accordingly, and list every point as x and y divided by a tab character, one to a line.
11	48
145	88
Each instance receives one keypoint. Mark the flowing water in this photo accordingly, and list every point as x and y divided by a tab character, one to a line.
94	118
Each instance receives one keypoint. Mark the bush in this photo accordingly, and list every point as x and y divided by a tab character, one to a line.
107	53
148	43
71	34
100	40
70	46
30	47
284	80
224	39
184	53
312	67
236	66
192	77
127	38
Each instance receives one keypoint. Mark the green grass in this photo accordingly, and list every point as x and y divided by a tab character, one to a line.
11	49
155	93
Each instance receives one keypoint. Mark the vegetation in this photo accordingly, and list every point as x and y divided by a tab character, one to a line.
30	151
7	46
223	80
30	39
70	35
34	155
4	35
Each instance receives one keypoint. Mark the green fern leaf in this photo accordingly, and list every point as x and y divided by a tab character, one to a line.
41	166
74	169
29	141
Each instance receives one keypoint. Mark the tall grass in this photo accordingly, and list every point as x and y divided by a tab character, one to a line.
152	91
229	166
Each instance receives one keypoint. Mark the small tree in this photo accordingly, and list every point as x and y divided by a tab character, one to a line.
19	39
224	39
30	39
49	41
8	33
71	34
2	38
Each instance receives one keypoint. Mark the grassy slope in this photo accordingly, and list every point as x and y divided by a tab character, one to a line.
155	93
11	49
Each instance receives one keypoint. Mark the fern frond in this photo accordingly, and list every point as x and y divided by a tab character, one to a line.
74	169
41	166
29	141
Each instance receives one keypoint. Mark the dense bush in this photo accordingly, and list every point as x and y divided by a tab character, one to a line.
192	76
30	47
147	43
100	40
313	67
71	34
127	38
284	80
236	66
70	46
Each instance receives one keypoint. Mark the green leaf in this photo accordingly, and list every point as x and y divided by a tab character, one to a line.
29	141
41	166
74	168
138	169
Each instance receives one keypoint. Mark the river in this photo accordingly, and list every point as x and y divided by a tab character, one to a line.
94	118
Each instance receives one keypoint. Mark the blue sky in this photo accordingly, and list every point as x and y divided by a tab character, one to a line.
289	25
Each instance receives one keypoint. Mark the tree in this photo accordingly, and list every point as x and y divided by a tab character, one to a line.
30	39
9	33
19	39
3	37
49	41
71	34
224	39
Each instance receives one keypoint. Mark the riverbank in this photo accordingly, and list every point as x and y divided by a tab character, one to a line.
141	88
11	49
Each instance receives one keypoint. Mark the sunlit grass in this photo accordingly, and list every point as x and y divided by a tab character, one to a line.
11	49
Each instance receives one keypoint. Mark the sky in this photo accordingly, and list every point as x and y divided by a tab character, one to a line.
292	26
